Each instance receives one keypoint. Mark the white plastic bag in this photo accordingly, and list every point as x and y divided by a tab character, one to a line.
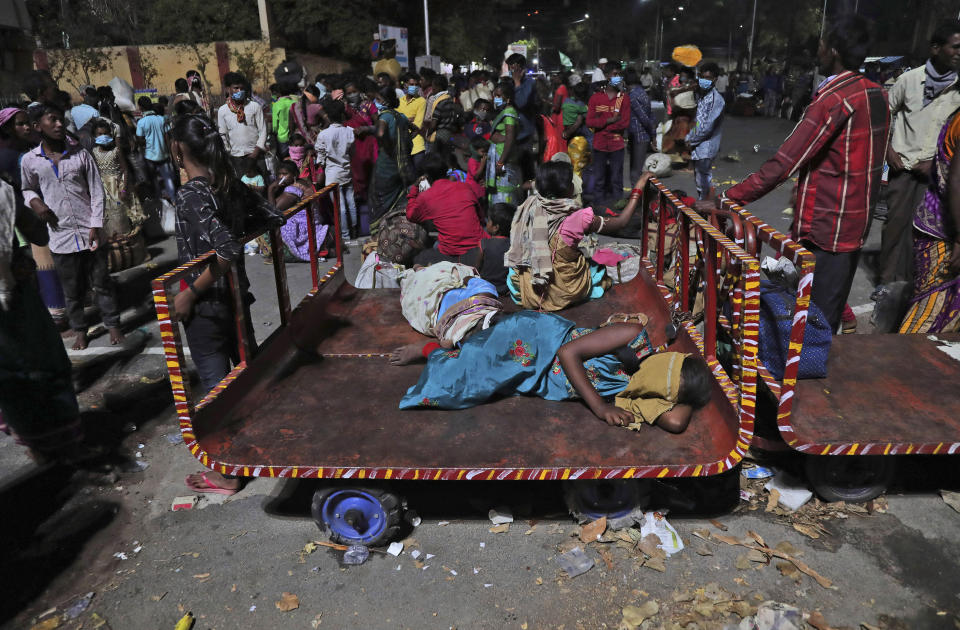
376	275
168	218
656	523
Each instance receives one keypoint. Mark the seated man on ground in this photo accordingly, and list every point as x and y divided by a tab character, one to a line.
452	207
544	355
548	272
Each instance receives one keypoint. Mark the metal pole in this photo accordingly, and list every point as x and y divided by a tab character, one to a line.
426	23
823	19
753	27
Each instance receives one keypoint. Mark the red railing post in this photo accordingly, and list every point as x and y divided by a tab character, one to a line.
280	275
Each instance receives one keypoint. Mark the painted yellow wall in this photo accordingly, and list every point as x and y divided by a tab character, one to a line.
173	61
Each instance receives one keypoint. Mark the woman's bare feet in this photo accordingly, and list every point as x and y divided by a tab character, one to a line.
406	355
80	340
116	336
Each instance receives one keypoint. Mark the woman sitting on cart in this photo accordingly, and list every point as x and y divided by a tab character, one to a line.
545	355
548	272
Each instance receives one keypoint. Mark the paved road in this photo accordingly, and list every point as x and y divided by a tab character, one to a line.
229	560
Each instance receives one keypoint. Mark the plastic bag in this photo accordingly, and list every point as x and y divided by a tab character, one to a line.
375	274
553	131
656	523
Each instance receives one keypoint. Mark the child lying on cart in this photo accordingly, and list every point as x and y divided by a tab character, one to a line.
545	355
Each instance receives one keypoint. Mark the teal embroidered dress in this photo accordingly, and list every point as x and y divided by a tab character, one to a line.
515	357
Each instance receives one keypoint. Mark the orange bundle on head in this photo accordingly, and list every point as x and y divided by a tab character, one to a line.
688	55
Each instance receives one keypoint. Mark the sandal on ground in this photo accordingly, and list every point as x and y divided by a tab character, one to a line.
209	486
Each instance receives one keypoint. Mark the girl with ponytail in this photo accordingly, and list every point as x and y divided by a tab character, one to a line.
215	210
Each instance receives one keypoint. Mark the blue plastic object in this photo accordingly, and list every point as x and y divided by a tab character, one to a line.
354	515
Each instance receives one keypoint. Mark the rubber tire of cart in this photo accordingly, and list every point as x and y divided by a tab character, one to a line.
850	478
590	499
387	507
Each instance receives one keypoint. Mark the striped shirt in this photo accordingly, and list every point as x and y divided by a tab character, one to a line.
837	150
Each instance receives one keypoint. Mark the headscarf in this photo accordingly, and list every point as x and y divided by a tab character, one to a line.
7	114
653	389
534	224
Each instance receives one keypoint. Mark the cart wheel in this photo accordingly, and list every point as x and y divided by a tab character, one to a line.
612	498
853	478
357	516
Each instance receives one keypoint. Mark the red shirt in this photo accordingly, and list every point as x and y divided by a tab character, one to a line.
837	150
599	109
454	209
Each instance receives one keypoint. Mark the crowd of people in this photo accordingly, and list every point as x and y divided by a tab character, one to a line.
481	187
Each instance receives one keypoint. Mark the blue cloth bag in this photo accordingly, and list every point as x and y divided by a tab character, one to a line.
776	321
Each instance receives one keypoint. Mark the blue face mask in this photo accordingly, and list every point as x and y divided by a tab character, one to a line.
238	95
705	84
497	102
616	80
380	106
412	90
103	140
322	88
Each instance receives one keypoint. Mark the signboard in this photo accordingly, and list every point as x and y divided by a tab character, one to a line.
400	34
520	49
429	61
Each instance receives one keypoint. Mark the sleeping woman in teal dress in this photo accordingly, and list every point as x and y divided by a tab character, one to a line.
542	354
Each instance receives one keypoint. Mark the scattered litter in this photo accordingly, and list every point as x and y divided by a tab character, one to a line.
656	523
174	438
202	576
80	605
138	548
732	157
633	616
415	554
185	623
951	498
120	555
788	212
133	466
756	543
157	598
487	585
593	531
399	567
499	529
138	454
575	562
793	494
395	548
430	555
129	427
288	601
758	472
316	621
47	624
756	148
500	515
443	523
253	608
746	495
141	445
356	554
774	616
476	570
634	517
482	545
452	572
718	525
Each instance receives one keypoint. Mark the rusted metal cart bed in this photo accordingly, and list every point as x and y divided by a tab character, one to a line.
319	400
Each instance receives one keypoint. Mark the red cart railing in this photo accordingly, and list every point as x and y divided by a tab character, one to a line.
170	330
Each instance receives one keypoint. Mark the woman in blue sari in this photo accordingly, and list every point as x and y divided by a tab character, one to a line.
542	354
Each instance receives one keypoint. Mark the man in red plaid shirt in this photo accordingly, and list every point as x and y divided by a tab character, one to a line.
837	151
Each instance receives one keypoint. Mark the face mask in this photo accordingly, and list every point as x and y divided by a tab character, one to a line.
482	114
412	90
615	81
705	84
380	106
497	102
353	99
103	140
238	95
322	88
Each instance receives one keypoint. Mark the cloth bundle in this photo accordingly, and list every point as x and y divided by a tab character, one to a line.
534	224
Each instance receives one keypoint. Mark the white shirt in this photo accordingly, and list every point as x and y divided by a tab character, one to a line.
916	127
242	139
722	82
334	150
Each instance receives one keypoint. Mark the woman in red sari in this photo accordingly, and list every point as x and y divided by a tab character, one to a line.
362	117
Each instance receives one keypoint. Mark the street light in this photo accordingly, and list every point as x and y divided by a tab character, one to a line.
586	16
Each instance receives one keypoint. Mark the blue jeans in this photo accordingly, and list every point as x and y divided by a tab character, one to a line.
348	211
607	176
160	176
702	173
